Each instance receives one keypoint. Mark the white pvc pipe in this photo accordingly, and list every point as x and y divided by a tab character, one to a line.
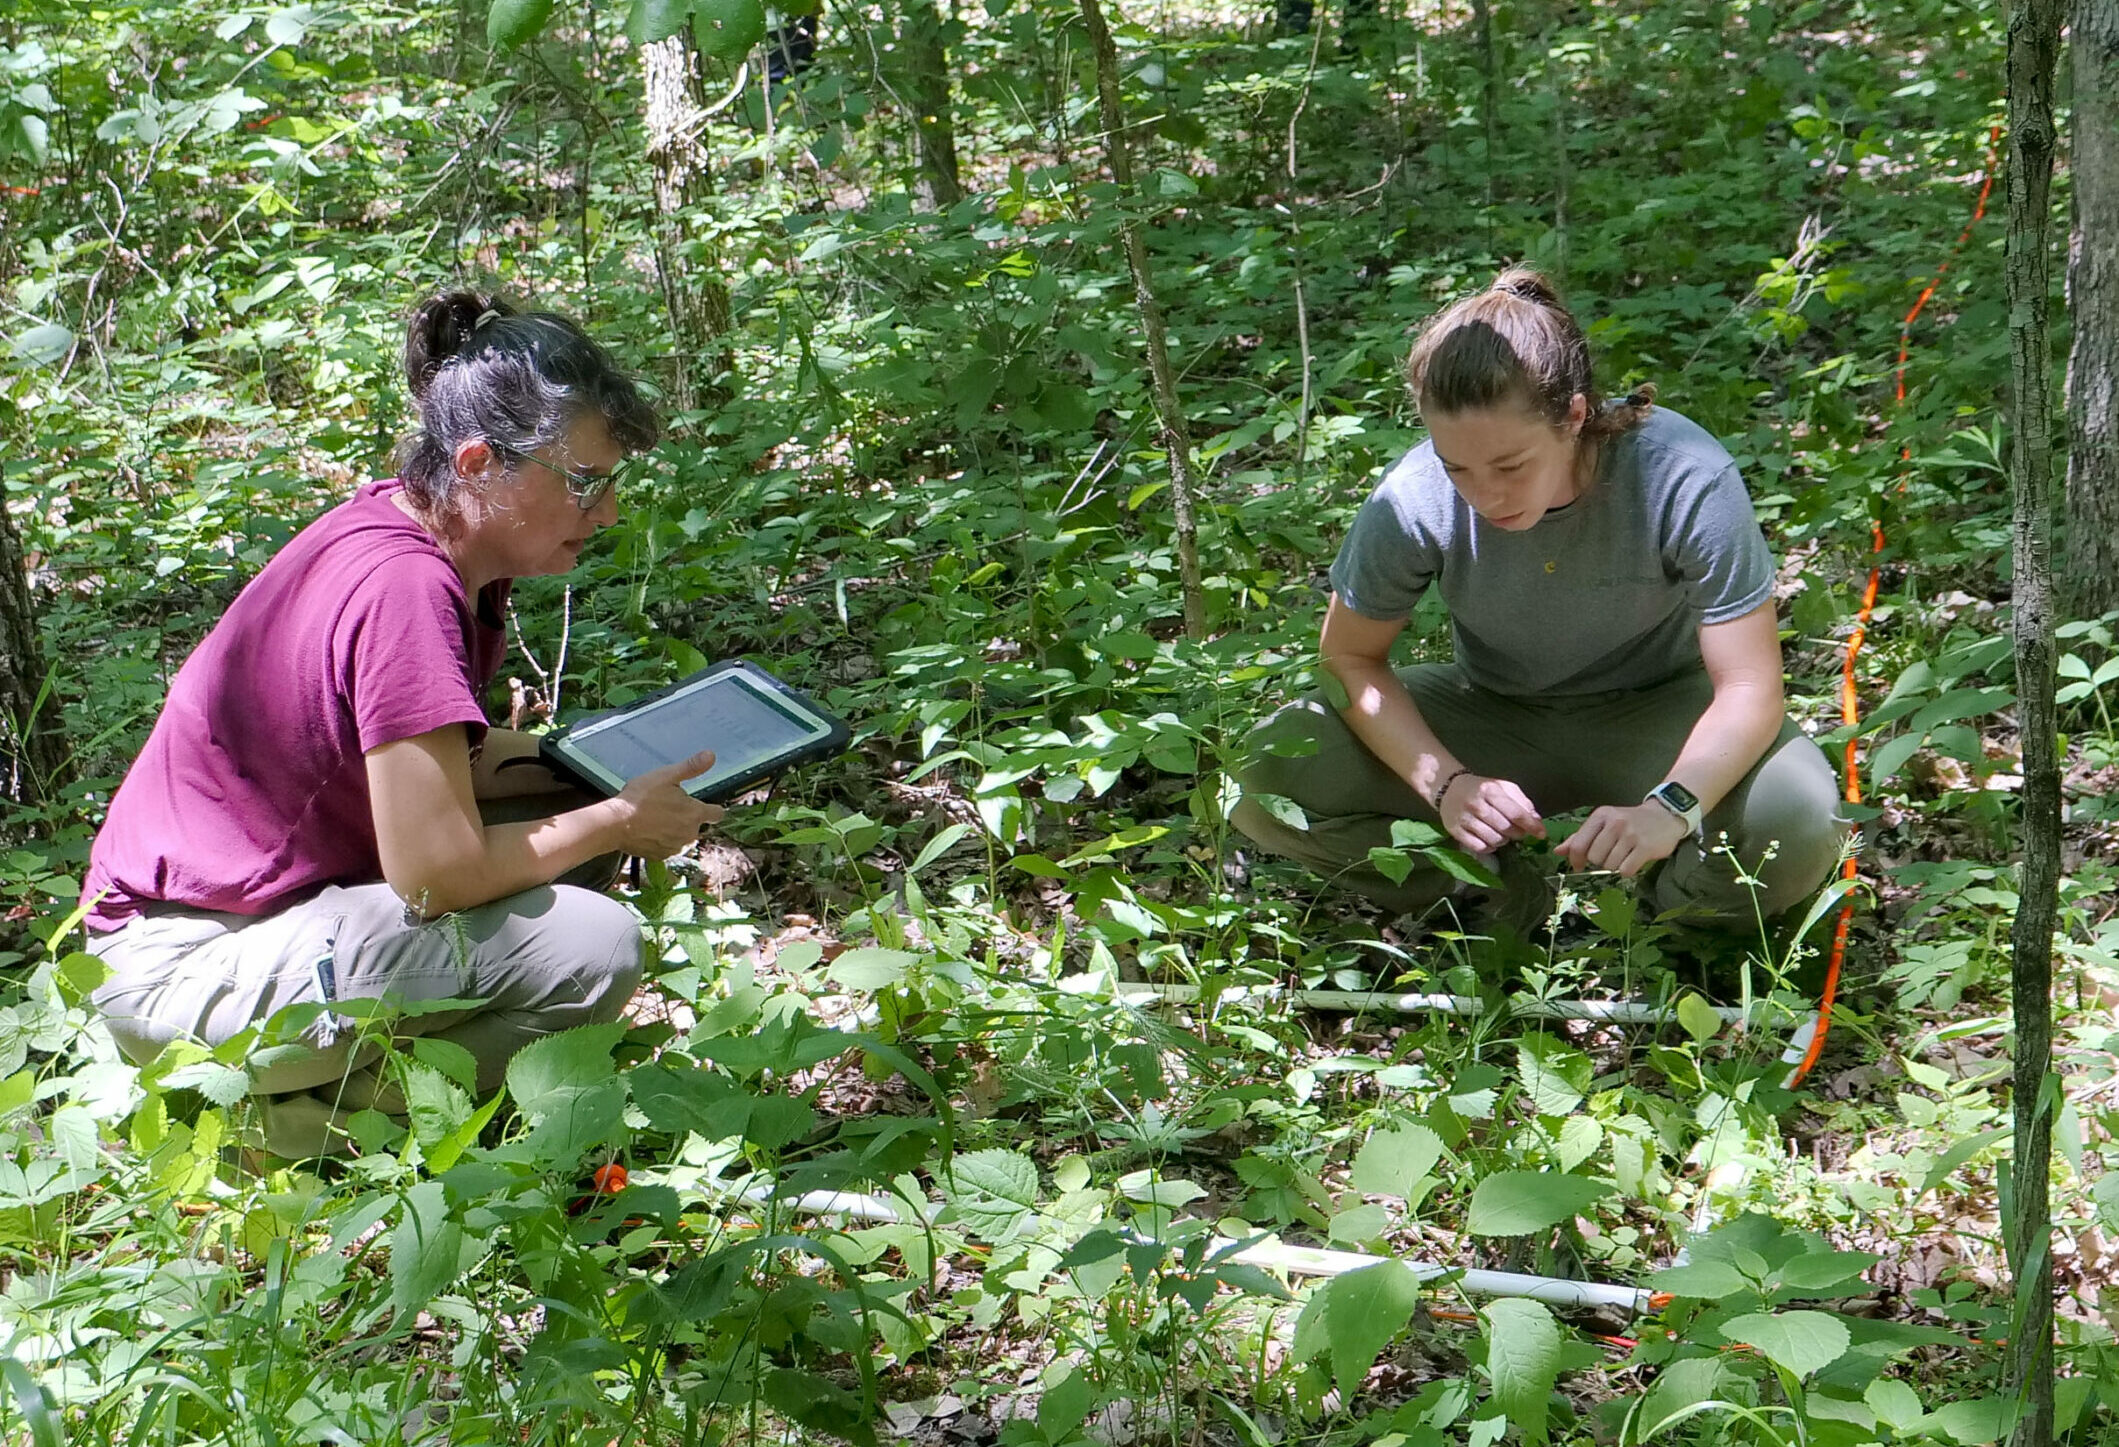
1554	1290
1295	1260
1616	1012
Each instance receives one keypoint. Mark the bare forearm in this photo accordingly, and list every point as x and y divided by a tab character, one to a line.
1385	718
509	858
1732	735
438	856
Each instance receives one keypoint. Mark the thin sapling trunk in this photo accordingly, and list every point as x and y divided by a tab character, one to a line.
2034	43
1177	438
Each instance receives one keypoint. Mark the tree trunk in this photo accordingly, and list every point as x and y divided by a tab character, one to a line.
29	749
927	61
1176	437
1489	101
2093	306
1561	80
2034	43
677	117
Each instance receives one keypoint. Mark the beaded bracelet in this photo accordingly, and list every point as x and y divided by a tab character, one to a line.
1443	792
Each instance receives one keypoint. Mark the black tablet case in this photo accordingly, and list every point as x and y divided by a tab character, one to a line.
721	789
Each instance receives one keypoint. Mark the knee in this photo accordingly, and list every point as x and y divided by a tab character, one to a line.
1804	854
1280	753
1252	768
1793	833
607	942
1253	822
126	1005
139	1039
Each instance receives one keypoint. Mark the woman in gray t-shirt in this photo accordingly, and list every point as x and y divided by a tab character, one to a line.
1610	598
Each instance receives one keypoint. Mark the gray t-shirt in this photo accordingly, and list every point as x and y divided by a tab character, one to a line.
1608	592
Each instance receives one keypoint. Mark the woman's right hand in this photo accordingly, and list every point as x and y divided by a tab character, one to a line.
662	818
1483	814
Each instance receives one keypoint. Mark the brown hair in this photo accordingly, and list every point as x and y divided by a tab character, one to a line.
1515	343
477	366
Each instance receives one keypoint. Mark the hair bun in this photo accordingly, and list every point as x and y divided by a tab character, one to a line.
441	327
1524	284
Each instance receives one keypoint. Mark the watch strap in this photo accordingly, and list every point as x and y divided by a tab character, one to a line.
1693	818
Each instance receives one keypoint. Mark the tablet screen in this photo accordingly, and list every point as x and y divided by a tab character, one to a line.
744	724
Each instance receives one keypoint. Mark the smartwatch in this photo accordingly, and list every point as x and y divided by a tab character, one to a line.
1680	801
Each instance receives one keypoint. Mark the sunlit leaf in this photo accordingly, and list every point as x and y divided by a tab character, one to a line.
1555	1076
727	29
1516	1203
223	1085
1801	1341
1352	1318
652	20
1392	1161
1523	1359
544	1074
872	968
993	1192
1698	1018
45	345
512	23
289	26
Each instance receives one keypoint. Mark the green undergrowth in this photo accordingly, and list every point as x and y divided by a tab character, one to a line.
935	497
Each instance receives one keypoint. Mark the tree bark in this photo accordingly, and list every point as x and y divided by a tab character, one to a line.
1489	101
29	748
677	116
1176	436
927	61
2093	306
2034	44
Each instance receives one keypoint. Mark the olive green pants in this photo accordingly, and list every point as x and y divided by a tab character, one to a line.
1780	825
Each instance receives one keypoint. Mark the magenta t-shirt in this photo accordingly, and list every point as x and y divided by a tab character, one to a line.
252	792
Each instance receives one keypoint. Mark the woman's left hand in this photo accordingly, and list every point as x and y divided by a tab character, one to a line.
1626	840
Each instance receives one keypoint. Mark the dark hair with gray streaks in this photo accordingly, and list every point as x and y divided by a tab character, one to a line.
1515	343
478	367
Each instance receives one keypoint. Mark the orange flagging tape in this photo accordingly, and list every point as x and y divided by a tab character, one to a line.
1849	692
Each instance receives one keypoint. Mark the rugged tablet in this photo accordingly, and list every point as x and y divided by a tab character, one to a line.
755	724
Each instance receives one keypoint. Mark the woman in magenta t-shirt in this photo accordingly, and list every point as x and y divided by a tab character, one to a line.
308	822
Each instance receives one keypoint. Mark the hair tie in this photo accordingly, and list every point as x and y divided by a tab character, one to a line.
1640	397
485	316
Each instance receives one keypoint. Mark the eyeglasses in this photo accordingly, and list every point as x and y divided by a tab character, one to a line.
588	489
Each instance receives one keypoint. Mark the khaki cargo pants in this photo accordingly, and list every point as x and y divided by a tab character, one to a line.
532	963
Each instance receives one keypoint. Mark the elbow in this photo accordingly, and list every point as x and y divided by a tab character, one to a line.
1755	709
1760	692
424	898
432	888
1350	668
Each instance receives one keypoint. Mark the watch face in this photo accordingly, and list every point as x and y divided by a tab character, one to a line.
1679	797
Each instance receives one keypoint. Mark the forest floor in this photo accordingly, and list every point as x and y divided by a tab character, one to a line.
931	493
